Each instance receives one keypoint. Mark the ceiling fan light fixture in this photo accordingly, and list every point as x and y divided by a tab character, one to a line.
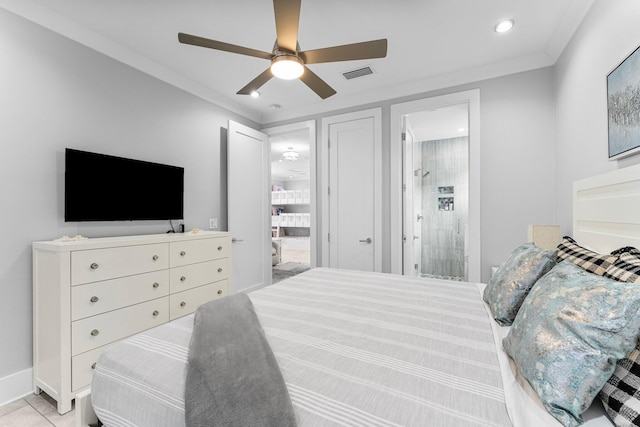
287	67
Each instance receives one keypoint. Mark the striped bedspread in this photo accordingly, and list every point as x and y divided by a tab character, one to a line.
355	349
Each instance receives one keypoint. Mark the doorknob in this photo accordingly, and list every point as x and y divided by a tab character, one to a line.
234	240
367	240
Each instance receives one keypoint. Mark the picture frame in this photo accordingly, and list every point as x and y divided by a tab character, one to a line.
623	107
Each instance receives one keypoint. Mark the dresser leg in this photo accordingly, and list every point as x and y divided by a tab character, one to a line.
64	406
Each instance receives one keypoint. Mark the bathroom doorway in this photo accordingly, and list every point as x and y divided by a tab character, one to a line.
435	206
436	164
292	199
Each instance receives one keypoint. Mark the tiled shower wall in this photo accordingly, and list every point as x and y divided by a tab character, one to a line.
443	231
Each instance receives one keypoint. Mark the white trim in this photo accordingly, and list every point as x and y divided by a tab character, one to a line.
16	386
376	114
313	207
472	97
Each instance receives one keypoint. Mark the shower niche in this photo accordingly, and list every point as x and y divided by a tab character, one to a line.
445	198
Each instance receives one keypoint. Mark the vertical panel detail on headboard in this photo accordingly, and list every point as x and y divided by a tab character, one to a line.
606	210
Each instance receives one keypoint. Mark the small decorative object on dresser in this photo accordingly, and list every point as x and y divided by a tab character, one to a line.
91	293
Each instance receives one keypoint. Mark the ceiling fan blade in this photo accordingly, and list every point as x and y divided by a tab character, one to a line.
227	47
347	52
287	14
316	84
256	83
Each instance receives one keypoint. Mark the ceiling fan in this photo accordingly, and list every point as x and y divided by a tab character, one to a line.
287	60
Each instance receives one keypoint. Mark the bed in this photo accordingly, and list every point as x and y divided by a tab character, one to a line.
374	349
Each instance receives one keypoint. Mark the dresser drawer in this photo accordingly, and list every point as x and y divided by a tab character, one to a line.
102	264
99	297
96	331
82	367
192	251
187	302
193	275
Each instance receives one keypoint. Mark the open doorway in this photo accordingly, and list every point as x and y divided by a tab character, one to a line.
436	168
403	174
292	199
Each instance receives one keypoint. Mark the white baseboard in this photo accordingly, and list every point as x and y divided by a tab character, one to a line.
16	386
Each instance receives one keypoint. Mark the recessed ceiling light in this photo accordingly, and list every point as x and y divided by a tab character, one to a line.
460	129
255	94
504	26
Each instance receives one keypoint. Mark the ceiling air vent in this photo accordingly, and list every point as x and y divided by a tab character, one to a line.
360	72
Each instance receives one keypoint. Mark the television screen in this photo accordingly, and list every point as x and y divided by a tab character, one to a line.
99	187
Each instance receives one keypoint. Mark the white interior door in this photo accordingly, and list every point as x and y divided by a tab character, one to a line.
353	193
249	213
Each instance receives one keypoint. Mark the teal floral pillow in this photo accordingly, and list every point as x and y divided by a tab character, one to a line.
508	288
569	334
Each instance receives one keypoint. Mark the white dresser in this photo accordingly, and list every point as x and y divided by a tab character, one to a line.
88	294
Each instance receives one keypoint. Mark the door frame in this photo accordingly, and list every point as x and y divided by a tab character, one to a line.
472	97
376	114
311	126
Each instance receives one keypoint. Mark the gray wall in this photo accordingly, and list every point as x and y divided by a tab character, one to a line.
517	165
609	33
55	94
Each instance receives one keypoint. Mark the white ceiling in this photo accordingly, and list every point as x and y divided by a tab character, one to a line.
431	43
439	123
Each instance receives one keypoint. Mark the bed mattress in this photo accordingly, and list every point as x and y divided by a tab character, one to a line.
355	348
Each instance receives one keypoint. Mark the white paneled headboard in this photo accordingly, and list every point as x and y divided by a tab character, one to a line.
606	210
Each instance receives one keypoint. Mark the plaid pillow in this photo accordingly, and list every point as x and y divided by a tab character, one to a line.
627	249
621	393
586	259
625	269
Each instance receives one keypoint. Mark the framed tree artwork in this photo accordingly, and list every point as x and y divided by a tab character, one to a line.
623	107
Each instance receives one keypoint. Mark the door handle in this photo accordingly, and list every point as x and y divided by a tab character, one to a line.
234	240
367	240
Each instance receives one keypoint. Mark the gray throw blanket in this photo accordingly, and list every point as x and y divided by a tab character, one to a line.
233	378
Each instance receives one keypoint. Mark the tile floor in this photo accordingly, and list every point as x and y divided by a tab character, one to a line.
34	411
295	255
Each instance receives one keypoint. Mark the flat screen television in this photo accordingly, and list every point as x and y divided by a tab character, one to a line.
99	187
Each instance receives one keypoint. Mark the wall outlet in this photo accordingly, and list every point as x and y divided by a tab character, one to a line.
213	223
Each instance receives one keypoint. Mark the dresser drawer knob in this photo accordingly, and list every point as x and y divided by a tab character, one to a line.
219	269
182	304
155	257
95	333
182	279
219	291
219	248
182	253
155	313
93	365
94	265
156	284
94	299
